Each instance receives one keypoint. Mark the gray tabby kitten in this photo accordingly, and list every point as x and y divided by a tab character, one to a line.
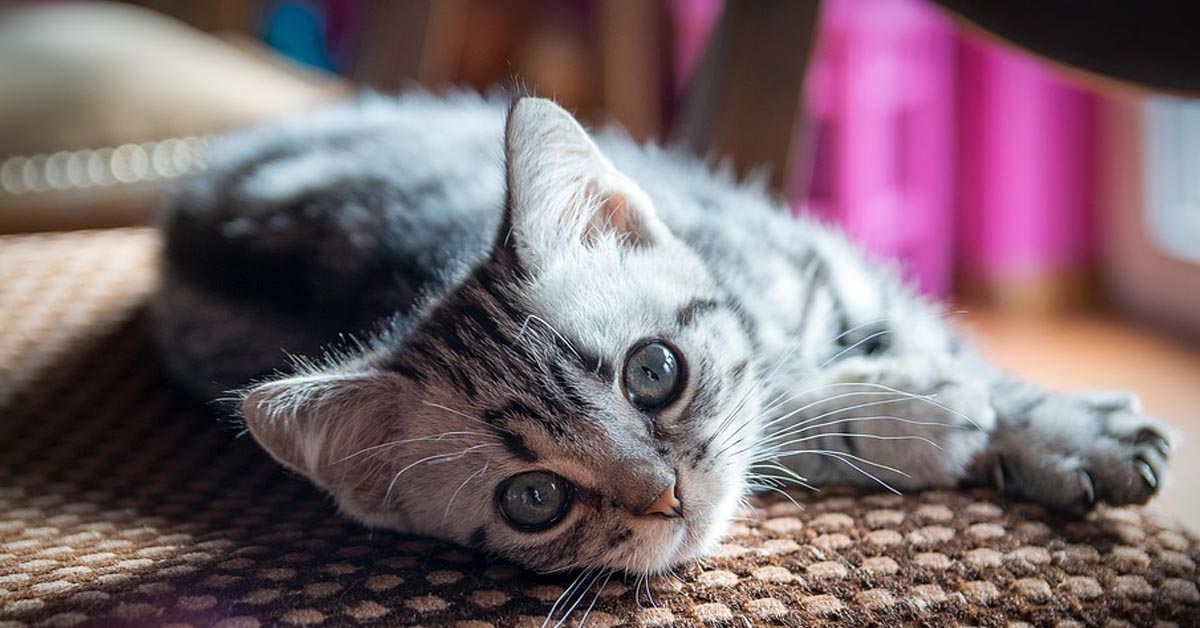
573	351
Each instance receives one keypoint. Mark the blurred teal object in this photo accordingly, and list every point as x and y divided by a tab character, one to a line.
296	29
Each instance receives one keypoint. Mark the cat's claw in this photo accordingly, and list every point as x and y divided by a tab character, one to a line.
1148	475
1089	491
999	473
1076	451
1154	439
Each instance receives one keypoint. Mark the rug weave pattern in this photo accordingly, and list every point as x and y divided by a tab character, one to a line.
121	504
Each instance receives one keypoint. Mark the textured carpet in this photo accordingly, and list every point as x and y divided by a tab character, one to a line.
122	505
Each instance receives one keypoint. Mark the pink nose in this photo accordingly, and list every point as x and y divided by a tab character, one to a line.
667	504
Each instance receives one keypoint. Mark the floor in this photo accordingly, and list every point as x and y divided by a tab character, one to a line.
1090	351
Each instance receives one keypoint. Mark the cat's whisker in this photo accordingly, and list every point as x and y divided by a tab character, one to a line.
649	593
877	321
788	432
837	356
595	598
813	371
765	427
396	443
564	595
449	503
882	417
771	444
868	436
930	399
535	317
845	458
727	422
776	489
458	413
873	387
791	413
824	415
776	455
582	593
791	476
733	412
446	456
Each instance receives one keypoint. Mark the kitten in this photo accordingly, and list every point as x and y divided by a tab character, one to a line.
574	351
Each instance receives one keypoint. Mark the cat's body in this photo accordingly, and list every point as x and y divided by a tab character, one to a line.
519	274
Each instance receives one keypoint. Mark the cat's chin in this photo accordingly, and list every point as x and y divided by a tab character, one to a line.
684	542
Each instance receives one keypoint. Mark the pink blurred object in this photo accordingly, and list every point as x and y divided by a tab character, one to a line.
693	21
880	97
1027	151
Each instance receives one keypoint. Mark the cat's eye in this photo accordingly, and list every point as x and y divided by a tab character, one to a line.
534	500
653	375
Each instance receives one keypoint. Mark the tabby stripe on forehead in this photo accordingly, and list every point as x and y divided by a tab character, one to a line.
409	371
419	348
476	318
518	410
568	390
459	379
494	287
515	443
694	309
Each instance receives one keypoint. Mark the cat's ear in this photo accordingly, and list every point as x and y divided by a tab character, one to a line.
312	423
563	192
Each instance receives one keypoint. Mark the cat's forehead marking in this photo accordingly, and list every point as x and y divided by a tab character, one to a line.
689	312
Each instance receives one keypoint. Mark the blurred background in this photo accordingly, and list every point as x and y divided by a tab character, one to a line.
1037	167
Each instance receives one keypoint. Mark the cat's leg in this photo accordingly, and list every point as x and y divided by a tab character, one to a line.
938	420
1071	451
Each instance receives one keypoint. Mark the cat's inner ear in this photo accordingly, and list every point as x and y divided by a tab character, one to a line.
311	423
563	191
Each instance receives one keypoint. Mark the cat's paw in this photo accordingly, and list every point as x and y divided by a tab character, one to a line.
1071	452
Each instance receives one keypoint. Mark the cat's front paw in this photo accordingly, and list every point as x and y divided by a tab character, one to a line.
1071	452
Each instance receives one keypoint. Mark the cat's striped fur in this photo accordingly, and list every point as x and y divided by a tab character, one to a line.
496	278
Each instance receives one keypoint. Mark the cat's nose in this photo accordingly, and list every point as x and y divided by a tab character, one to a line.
667	504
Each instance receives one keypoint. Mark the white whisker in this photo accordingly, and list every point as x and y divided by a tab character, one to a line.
460	488
446	456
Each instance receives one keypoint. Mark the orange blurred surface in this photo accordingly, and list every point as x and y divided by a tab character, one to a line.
1089	351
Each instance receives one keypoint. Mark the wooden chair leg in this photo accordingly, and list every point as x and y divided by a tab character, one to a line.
745	100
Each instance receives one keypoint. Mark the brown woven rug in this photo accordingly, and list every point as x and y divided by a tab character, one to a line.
122	505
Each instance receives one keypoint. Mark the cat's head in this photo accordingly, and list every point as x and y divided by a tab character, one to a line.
584	398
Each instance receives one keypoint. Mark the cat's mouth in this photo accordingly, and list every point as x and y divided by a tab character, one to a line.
699	522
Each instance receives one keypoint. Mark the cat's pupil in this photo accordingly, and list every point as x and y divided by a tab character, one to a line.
653	376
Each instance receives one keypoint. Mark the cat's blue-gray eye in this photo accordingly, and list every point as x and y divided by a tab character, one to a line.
653	375
534	500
